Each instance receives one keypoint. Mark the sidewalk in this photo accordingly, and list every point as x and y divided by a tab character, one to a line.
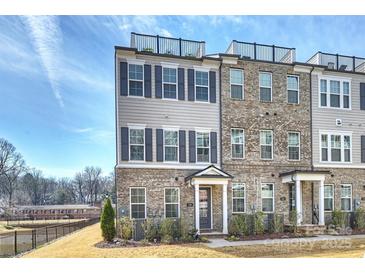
216	243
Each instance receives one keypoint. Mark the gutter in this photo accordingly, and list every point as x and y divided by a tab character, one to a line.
311	116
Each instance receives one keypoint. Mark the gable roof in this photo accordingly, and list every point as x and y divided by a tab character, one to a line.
209	172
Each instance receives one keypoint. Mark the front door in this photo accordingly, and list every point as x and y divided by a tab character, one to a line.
205	207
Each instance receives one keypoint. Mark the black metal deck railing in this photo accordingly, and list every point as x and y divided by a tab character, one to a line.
166	45
338	62
262	52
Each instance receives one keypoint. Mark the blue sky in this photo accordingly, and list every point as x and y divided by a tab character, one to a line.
57	73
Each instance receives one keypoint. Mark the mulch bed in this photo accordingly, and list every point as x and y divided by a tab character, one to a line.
118	243
284	235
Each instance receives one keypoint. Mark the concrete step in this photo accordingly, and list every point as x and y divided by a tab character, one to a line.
312	229
212	234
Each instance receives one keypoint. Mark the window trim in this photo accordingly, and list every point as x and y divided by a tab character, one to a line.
130	202
346	184
243	145
270	73
196	146
272	144
299	146
297	90
329	156
178	201
196	85
242	84
273	197
244	199
170	83
328	93
333	197
178	144
144	143
143	91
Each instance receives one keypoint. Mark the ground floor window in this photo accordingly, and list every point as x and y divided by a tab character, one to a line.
328	197
267	197
292	205
346	197
172	197
238	197
138	202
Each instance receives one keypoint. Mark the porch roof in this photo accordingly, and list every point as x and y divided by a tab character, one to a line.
296	171
303	175
209	172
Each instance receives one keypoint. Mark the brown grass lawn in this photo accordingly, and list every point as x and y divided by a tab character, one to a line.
81	245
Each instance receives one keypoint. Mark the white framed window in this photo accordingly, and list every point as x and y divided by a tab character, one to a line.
171	145
237	83
172	202
267	197
346	197
238	198
265	82
266	144
201	86
294	146
135	80
137	202
203	147
237	143
136	144
293	89
328	197
169	82
335	93
336	147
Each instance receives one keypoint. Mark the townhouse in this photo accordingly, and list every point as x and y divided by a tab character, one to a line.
202	137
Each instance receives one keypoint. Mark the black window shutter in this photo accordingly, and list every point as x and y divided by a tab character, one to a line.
181	86
147	81
125	143
123	78
362	96
363	149
212	86
213	147
158	81
182	146
192	149
148	141
191	85
159	145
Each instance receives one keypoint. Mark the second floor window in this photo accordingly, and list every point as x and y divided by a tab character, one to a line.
237	142
265	87
237	87
336	148
294	145
293	89
201	86
169	83
335	93
266	144
136	144
202	147
135	80
171	145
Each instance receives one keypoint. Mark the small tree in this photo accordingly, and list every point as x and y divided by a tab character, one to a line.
107	221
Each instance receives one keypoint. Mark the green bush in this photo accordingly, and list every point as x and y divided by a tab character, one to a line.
339	219
186	234
360	218
277	224
107	223
293	220
151	230
168	230
259	223
126	228
232	238
238	226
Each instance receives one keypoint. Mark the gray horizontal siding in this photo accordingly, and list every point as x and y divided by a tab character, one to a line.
352	120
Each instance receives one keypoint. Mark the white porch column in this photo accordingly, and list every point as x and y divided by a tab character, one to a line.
225	210
197	207
298	201
321	203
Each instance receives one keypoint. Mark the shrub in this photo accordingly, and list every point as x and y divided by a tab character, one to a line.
169	230
233	238
339	219
238	226
277	223
107	221
126	227
186	234
293	220
151	230
259	223
360	218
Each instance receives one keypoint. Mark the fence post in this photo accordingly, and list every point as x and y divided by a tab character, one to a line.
337	61
32	238
15	242
56	231
180	46
158	44
273	53
254	51
353	63
35	238
46	235
63	230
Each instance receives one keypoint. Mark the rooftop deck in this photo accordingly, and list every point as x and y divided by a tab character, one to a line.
338	62
166	45
254	51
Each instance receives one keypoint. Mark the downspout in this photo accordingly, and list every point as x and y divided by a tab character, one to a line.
116	144
220	116
311	117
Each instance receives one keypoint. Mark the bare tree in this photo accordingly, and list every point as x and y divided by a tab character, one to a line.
79	184
32	184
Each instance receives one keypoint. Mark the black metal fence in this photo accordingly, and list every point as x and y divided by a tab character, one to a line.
15	242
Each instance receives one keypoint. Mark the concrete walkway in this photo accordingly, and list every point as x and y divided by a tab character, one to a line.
221	242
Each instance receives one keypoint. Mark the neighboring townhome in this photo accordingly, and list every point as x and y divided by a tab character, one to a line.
167	120
266	130
338	106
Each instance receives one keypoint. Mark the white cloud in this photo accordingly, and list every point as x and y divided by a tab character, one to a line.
91	135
